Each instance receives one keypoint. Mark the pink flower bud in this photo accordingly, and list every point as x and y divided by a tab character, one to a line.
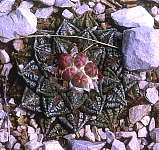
80	60
79	80
91	69
68	74
65	60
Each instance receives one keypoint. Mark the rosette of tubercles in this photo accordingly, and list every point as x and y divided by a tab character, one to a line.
79	71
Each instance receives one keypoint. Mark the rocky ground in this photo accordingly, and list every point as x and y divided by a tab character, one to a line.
136	27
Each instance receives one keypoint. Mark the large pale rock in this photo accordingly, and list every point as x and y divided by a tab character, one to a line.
64	3
6	6
22	21
3	135
117	145
133	17
142	132
140	48
52	145
82	9
136	113
33	145
85	145
4	57
26	4
152	95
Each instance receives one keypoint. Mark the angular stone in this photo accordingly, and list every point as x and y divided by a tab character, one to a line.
26	4
82	9
154	11
64	3
96	133
31	130
52	145
152	124
89	134
3	135
22	22
70	136
154	134
20	112
4	57
140	48
156	146
133	17
142	84
136	113
17	146
33	136
18	44
101	17
91	4
152	95
142	132
33	123
85	145
138	125
6	6
102	134
12	141
99	8
67	14
44	12
47	2
110	136
145	120
33	145
117	145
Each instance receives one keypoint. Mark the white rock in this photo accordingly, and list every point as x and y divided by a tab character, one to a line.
6	69
109	137
136	113
91	4
26	4
143	75
139	125
152	95
142	84
47	2
133	17
6	6
85	145
44	12
40	138
31	130
150	146
88	133
67	14
18	44
33	123
142	132
52	145
3	135
102	134
82	9
33	136
12	141
2	114
81	132
70	136
17	146
133	142
156	146
152	124
157	18
145	120
64	3
96	133
154	134
33	145
99	8
140	48
22	21
21	66
117	145
101	17
4	57
154	11
20	112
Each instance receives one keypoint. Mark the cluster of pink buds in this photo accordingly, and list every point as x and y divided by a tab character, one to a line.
81	73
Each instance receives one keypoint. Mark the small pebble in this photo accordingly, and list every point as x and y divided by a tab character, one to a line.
31	130
152	95
18	44
17	146
33	145
12	141
44	12
67	14
101	18
154	11
3	135
117	145
33	136
26	4
96	133
4	57
102	134
52	145
82	9
33	123
110	136
142	84
143	75
138	126
91	4
99	9
154	134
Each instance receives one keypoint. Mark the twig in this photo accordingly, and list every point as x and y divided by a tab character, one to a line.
65	36
87	48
